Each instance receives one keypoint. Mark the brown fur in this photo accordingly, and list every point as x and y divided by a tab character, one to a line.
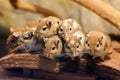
98	43
19	34
68	27
48	27
75	44
53	47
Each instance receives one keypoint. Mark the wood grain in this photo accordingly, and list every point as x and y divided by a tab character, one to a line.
29	61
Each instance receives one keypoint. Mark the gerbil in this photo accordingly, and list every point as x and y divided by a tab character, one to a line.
98	44
24	37
28	41
48	26
53	47
12	40
68	27
75	45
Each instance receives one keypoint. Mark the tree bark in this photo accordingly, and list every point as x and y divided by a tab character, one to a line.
29	61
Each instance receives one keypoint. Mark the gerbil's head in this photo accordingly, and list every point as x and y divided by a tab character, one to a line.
94	43
68	27
65	30
27	35
48	26
53	47
75	45
12	40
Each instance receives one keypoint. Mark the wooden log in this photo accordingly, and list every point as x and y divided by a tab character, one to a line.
29	61
102	9
62	76
110	68
18	4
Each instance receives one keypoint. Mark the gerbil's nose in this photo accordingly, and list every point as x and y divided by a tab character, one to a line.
75	54
93	51
66	37
48	55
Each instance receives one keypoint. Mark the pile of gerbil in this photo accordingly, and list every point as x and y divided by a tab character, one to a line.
53	38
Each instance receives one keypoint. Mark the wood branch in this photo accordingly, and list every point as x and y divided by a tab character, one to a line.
102	9
29	61
19	4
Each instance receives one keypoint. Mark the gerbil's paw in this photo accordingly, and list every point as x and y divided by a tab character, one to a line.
103	58
110	51
72	58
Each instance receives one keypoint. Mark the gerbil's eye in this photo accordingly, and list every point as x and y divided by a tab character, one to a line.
97	45
68	47
53	48
31	34
58	22
12	41
70	29
80	38
44	29
77	46
61	30
87	43
26	37
102	37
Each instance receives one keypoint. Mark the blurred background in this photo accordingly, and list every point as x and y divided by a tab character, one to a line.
15	16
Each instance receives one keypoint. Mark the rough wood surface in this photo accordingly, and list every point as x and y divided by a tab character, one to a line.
63	76
102	9
29	61
109	69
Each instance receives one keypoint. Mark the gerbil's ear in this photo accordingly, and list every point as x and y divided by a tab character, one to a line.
39	19
101	37
49	23
17	34
86	37
100	40
57	42
34	28
45	39
12	29
58	22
